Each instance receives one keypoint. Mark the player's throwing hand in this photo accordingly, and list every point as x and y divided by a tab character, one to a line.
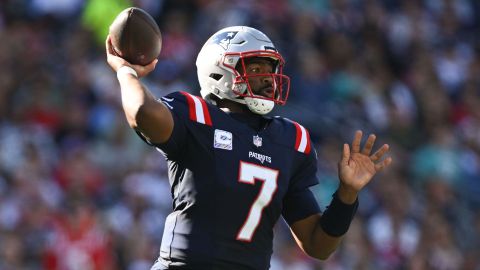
117	62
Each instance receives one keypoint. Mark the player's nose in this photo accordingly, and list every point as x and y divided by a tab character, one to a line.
267	79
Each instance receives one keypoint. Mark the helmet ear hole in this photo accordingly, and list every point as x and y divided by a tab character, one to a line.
216	76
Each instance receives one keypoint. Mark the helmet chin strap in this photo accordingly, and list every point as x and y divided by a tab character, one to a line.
258	105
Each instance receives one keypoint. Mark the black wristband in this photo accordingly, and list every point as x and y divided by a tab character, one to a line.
336	219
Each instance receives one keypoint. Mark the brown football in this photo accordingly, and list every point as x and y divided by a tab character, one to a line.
135	36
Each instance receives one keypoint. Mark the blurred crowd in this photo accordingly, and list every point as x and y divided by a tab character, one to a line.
79	190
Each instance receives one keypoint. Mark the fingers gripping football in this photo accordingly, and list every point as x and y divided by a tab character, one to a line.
117	62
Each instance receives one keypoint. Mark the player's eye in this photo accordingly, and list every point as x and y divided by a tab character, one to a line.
258	67
255	68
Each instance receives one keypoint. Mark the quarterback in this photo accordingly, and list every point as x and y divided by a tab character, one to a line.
233	170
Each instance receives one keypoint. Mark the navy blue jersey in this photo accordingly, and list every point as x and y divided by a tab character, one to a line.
230	183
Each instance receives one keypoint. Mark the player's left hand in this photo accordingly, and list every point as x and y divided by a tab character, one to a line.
356	168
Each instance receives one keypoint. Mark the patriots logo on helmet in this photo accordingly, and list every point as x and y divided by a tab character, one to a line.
224	39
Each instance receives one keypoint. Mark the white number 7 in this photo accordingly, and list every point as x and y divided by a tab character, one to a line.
250	172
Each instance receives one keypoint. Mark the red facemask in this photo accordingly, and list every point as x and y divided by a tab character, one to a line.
275	86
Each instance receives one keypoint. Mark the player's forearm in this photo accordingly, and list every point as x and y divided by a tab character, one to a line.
312	239
319	235
322	244
135	98
334	222
143	112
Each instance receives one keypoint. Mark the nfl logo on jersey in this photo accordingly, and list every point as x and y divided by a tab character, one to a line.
257	141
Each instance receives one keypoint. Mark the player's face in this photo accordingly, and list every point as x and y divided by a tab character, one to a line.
257	70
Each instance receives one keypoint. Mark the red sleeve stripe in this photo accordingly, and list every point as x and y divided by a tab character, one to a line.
302	141
191	106
198	110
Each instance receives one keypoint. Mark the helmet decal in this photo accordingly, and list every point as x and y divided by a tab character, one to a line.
224	39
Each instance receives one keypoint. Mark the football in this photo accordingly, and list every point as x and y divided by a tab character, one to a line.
135	36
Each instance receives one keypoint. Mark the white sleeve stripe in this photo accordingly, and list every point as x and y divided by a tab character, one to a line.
198	109
303	140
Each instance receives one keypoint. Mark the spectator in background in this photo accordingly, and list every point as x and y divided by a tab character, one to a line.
49	53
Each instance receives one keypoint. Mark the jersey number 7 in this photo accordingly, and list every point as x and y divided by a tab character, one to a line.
248	174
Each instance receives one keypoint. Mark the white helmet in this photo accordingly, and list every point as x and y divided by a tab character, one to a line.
224	52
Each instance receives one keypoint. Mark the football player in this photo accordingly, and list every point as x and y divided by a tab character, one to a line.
233	171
